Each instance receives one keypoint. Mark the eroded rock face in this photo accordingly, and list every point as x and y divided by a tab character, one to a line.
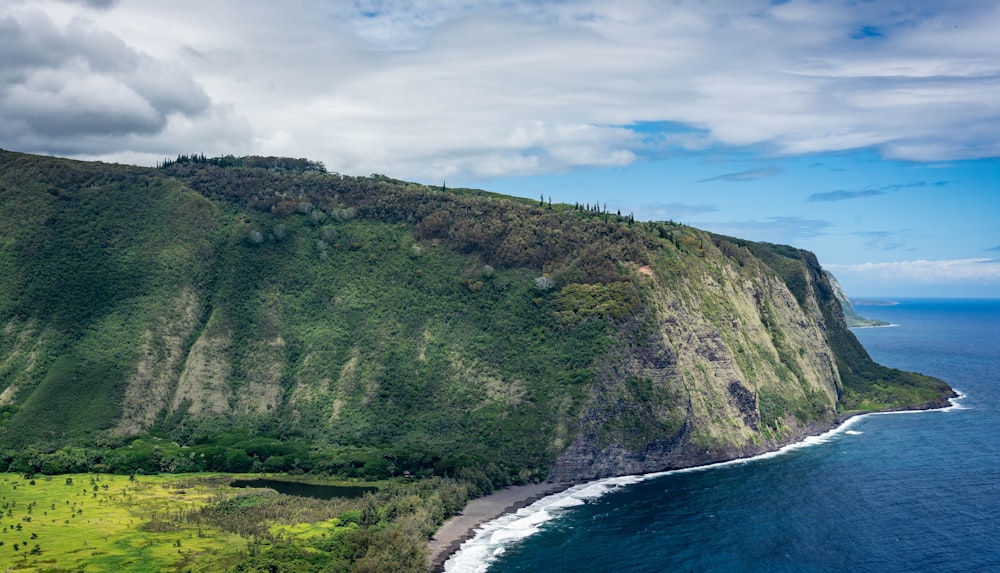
746	402
583	460
162	351
735	366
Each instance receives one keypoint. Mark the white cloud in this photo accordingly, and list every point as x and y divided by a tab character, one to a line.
944	272
435	88
662	211
788	230
75	89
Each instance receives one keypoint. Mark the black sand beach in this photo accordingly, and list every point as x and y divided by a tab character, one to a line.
458	529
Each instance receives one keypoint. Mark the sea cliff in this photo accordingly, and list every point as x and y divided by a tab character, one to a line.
250	314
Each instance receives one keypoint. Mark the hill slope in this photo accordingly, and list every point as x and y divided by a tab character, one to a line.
260	313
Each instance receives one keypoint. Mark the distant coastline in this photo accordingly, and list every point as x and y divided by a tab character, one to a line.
851	316
873	302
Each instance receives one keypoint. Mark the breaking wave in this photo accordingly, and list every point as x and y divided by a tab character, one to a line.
492	538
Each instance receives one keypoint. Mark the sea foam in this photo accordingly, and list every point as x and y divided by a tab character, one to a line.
492	538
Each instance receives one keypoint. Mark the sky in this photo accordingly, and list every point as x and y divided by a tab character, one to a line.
865	131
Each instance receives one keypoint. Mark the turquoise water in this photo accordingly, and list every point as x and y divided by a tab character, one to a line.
886	493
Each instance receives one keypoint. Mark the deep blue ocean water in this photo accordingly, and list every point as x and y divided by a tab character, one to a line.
887	493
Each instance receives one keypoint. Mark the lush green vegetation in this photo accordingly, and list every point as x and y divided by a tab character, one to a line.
196	522
103	523
370	309
90	254
350	317
261	314
867	385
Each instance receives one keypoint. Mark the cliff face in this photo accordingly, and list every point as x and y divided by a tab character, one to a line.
754	353
381	326
737	364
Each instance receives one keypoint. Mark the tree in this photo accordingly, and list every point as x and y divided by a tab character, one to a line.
544	282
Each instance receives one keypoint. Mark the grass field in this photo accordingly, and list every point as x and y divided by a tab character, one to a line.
102	522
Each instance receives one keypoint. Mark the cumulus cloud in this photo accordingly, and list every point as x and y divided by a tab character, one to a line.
78	90
787	75
433	88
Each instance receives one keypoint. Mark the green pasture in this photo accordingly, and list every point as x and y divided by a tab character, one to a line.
102	522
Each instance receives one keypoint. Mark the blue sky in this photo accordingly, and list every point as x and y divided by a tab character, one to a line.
865	131
886	228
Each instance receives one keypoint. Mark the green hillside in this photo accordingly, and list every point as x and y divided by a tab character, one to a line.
242	314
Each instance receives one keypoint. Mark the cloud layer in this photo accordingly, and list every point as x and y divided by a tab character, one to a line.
982	271
446	88
749	175
847	195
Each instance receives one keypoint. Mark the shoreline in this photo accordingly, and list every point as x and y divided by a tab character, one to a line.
460	528
455	531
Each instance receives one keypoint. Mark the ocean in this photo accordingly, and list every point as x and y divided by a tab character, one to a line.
905	492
